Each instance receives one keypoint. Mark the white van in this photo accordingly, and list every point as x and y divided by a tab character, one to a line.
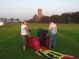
1	23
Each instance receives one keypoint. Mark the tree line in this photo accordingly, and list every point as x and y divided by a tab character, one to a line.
72	17
11	20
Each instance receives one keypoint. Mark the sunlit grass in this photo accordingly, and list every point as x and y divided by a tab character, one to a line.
11	42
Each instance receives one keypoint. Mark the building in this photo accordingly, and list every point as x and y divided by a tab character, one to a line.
37	17
40	15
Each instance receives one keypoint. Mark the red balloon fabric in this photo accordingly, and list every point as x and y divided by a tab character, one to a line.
33	42
68	57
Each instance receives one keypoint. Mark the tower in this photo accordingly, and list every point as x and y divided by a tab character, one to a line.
37	17
40	13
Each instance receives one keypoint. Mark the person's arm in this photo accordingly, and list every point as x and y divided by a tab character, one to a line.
27	31
56	28
50	26
26	28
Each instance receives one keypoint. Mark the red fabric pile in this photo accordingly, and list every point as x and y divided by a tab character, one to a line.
33	42
68	57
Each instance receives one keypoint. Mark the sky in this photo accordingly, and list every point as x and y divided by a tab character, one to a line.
26	9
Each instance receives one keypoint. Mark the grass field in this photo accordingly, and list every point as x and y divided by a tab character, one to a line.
11	42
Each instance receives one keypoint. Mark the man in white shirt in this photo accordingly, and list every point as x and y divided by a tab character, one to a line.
53	32
24	33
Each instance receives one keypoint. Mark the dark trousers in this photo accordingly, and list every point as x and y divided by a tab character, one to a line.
24	37
43	41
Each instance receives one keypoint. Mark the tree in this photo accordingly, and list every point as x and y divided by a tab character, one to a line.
44	19
12	19
75	17
17	20
35	19
55	18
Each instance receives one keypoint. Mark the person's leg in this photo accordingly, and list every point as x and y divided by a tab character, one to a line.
44	41
54	40
24	37
41	40
26	41
50	42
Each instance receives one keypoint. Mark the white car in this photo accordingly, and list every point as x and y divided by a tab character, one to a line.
1	23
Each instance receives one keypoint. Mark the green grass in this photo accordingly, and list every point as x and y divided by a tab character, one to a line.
11	42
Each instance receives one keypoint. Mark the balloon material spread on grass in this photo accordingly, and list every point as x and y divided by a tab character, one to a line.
43	51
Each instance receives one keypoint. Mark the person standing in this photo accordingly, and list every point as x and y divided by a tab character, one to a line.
42	33
24	33
53	32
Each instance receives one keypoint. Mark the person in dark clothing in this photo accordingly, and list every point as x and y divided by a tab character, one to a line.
42	36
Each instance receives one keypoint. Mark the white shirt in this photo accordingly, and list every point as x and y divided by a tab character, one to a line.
53	28
23	30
